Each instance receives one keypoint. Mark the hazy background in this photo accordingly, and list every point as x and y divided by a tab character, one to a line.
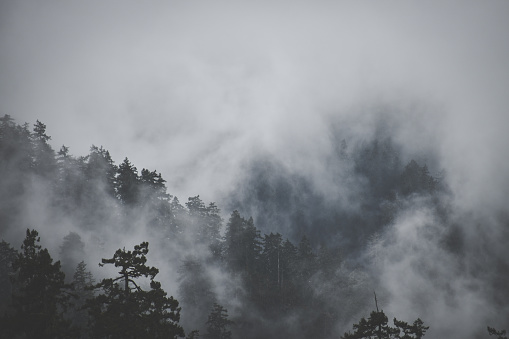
198	90
192	89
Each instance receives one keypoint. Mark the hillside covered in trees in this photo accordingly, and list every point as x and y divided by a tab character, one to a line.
283	261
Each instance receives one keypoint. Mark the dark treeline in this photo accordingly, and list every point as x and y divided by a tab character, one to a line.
381	180
233	281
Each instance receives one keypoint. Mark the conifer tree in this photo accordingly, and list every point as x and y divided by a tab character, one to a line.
195	289
242	245
218	323
44	162
100	170
7	256
127	183
498	334
83	283
39	295
205	222
71	251
376	327
124	310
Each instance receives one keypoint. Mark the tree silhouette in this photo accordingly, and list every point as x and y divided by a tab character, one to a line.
218	323
39	295
376	327
125	310
499	334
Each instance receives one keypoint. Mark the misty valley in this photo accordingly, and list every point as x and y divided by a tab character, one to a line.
95	249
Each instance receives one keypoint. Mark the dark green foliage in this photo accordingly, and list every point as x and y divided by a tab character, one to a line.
273	280
127	183
211	230
416	179
39	294
195	289
44	163
196	206
416	330
218	323
15	145
100	171
499	334
306	259
376	327
69	185
7	257
195	292
72	251
156	202
279	199
94	191
179	212
195	334
329	260
290	294
153	186
271	266
380	163
205	223
125	310
271	256
16	158
152	189
242	244
83	283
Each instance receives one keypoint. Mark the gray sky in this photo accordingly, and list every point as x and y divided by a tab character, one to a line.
191	89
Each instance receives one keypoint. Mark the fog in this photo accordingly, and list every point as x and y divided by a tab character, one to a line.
203	92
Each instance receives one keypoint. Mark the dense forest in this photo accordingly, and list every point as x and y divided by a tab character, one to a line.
284	261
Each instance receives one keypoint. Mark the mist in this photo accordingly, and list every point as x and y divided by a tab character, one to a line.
247	105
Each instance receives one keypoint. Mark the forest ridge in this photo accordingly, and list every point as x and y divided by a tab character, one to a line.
231	279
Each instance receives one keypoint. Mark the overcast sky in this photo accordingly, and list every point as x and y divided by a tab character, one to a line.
192	88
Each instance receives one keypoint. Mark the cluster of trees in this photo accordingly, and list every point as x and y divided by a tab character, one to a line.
286	201
273	281
42	305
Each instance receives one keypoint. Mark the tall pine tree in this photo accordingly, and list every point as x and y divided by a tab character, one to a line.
125	310
39	295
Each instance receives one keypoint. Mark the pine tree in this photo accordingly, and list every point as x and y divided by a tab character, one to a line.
195	334
242	245
71	251
83	283
125	310
70	185
39	294
306	260
218	323
271	261
205	223
16	164
416	179
96	190
195	291
7	257
288	274
44	162
376	327
127	183
155	200
195	287
100	171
